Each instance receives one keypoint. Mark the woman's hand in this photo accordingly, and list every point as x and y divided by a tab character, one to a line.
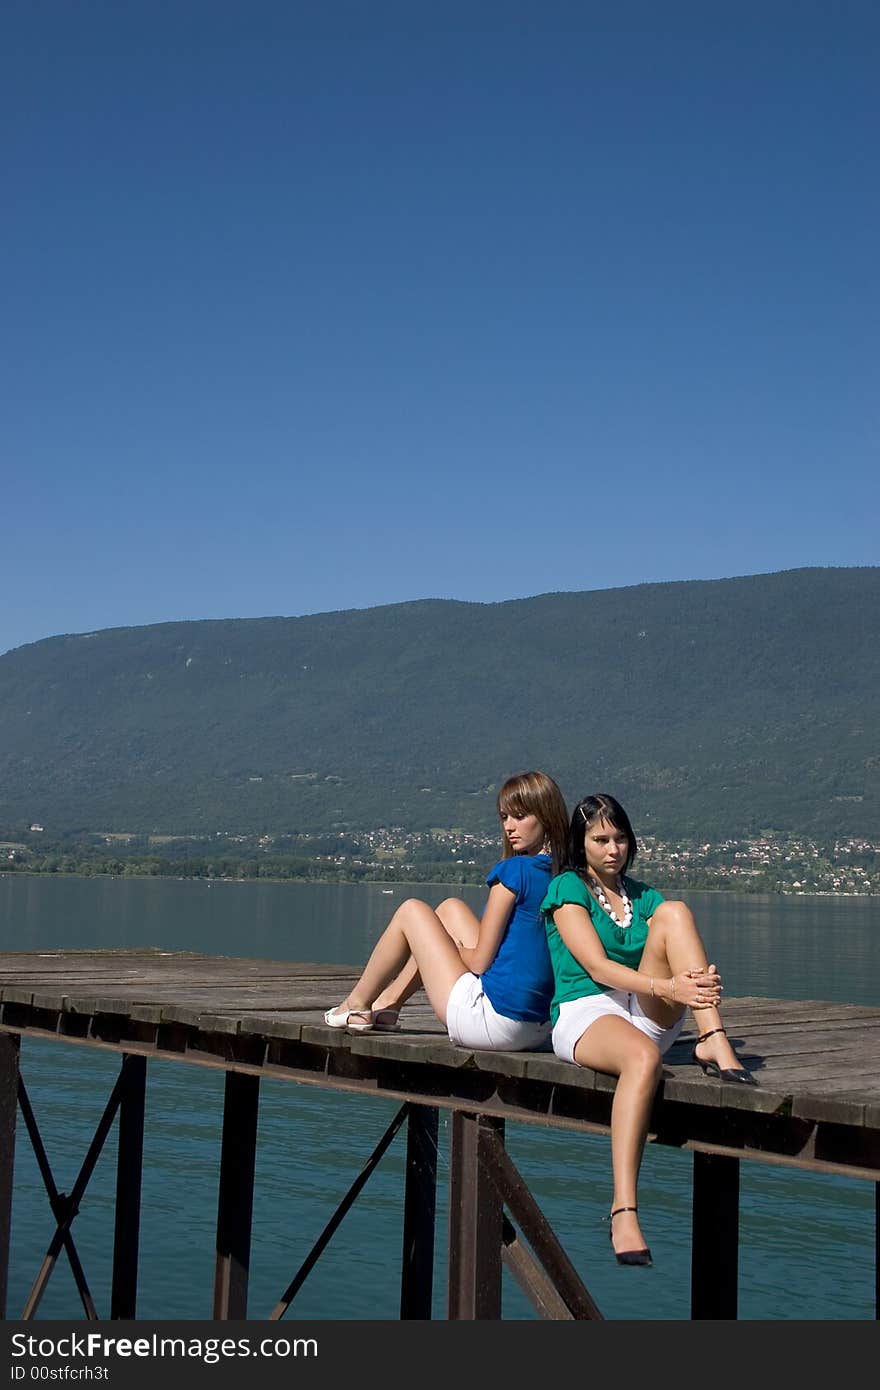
699	988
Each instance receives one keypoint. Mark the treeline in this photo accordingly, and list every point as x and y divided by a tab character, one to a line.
280	868
671	878
270	867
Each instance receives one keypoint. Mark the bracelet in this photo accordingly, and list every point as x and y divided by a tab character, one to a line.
652	986
672	982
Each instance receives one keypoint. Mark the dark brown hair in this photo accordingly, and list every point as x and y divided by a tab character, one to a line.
599	806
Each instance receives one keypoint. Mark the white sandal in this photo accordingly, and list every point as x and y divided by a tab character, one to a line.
342	1018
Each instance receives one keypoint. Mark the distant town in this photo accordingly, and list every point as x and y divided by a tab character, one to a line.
768	863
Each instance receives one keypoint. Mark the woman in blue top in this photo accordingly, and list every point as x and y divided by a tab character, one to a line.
626	965
488	979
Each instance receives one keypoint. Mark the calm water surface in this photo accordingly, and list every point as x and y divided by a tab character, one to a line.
806	1248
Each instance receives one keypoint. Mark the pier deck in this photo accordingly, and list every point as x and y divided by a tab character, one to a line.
817	1105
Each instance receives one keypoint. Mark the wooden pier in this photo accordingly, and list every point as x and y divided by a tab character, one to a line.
817	1107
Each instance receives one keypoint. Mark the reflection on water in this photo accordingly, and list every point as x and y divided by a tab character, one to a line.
808	1234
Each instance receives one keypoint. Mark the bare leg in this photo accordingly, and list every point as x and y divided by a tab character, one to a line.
612	1045
460	921
401	988
461	924
414	930
674	945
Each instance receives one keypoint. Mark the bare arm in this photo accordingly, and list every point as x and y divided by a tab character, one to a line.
580	936
496	915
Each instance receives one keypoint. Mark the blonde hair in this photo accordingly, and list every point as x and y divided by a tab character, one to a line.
536	794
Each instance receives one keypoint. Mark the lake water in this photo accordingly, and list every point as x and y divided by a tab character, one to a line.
806	1240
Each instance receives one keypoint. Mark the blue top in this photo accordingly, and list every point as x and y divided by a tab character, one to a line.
519	982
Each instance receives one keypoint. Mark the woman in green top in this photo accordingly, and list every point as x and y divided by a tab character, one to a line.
626	966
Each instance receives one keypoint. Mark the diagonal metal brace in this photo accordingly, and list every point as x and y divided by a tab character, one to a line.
65	1206
556	1289
348	1200
64	1209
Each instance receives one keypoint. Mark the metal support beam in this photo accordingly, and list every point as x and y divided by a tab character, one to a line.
475	1222
556	1290
345	1205
715	1237
65	1206
8	1106
419	1208
129	1171
532	1279
235	1202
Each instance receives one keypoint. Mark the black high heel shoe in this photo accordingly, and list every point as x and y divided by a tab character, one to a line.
741	1074
628	1257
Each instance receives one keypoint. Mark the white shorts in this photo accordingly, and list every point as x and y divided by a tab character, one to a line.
576	1015
472	1022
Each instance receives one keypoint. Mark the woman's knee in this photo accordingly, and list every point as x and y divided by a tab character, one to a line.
644	1063
411	912
672	915
672	909
450	905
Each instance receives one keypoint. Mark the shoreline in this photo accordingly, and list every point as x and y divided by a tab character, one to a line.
390	884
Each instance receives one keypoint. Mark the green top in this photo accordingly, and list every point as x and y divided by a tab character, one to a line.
621	944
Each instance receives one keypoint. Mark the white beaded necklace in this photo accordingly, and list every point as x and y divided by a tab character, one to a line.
606	906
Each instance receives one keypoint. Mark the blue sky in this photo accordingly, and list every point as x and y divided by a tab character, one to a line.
312	306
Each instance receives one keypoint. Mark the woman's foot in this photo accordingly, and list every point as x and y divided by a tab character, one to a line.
386	1012
344	1016
627	1240
717	1058
386	1020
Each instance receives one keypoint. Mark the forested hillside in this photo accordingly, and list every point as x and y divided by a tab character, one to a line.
710	708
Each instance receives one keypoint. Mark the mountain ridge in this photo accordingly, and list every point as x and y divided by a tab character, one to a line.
707	705
446	602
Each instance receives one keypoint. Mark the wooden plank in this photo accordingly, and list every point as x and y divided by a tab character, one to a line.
449	1083
709	1092
819	1060
754	1005
821	1075
837	1107
816	1038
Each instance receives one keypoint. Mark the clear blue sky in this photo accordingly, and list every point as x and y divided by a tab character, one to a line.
312	305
